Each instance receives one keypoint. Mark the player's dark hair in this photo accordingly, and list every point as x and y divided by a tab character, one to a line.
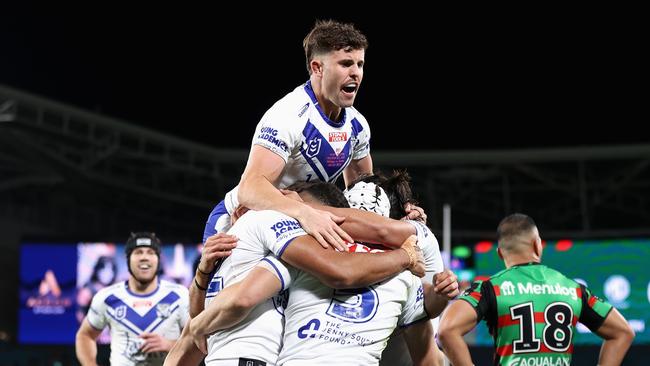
396	186
330	35
514	225
326	193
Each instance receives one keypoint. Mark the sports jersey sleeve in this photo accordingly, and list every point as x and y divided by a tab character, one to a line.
594	310
280	269
414	310
278	131
361	128
276	230
480	296
97	313
430	247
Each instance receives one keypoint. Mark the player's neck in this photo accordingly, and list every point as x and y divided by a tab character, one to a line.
331	110
514	260
142	288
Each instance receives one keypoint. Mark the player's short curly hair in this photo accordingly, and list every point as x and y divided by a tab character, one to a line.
330	35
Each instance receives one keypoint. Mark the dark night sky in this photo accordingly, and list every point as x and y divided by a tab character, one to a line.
209	76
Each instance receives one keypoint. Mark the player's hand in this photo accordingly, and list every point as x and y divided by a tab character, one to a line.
416	259
154	342
414	212
217	246
446	284
200	340
291	194
323	226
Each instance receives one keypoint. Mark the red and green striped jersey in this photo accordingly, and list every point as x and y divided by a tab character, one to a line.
531	311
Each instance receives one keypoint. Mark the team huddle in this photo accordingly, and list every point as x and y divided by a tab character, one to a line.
295	271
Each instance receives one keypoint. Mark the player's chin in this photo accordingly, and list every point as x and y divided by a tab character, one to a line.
145	277
345	102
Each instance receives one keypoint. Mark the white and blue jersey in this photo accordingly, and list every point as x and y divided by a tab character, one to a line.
430	250
346	327
397	353
164	311
259	335
312	145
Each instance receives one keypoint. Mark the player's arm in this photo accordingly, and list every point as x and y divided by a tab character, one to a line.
184	351
617	335
216	247
369	227
234	303
357	168
257	191
86	344
459	318
438	293
422	347
351	270
604	320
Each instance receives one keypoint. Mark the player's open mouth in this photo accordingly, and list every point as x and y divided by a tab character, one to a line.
350	88
144	266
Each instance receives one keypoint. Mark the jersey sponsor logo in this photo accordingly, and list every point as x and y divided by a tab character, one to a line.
508	288
309	330
303	110
285	226
313	147
338	136
270	134
540	361
141	303
354	305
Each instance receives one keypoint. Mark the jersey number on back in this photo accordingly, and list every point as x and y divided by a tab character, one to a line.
557	332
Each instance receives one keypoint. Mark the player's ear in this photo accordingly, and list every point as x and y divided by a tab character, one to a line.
316	67
499	253
537	246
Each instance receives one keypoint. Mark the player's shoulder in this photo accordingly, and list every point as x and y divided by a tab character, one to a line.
423	230
354	114
116	289
266	215
555	274
290	109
